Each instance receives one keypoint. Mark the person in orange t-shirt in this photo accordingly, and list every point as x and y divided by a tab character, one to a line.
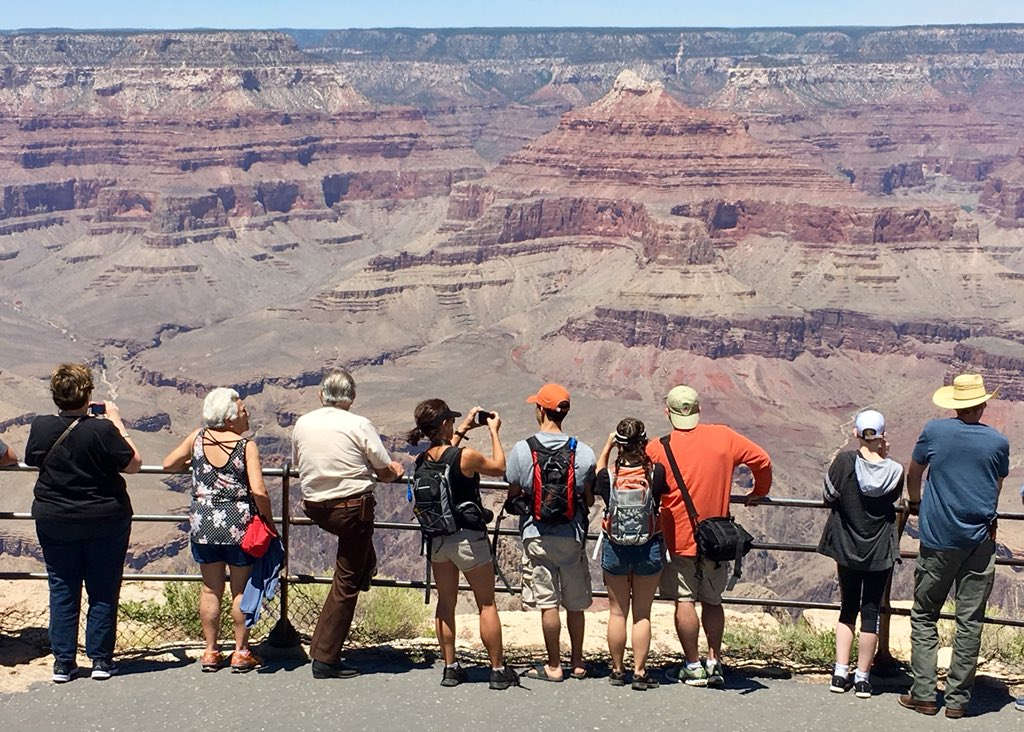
706	454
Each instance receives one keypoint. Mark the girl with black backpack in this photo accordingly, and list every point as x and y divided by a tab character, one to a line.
632	546
463	547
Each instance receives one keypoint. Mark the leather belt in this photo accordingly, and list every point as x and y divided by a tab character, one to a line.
340	502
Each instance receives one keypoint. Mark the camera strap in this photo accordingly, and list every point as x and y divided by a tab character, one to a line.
63	436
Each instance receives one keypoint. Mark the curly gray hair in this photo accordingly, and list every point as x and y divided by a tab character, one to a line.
220	405
338	389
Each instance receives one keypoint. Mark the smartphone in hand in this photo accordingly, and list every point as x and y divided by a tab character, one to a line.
97	408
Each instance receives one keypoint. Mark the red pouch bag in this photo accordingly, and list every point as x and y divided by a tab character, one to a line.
258	535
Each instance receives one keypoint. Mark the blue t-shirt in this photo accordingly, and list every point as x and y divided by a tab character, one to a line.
965	463
519	471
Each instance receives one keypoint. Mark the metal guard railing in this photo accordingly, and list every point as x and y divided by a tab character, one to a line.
286	521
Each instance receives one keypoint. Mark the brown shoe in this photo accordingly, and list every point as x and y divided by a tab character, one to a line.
955	712
921	707
244	661
211	661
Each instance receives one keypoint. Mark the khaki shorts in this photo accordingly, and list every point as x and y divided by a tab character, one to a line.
679	580
556	572
467	549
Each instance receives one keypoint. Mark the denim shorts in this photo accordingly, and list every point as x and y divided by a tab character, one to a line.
643	560
231	554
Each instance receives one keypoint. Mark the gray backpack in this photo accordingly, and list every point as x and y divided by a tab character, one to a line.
632	514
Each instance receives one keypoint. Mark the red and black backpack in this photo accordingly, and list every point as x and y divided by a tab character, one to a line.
554	481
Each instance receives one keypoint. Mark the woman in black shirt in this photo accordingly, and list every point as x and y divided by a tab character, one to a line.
83	516
466	550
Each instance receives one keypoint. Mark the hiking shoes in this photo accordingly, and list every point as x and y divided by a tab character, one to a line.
453	676
103	670
501	680
840	684
1019	704
617	678
921	707
64	672
862	689
716	676
694	677
211	661
339	670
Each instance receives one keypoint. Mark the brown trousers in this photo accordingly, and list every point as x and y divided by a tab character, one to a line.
351	520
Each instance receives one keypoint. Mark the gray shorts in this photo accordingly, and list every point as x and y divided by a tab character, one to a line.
556	572
467	549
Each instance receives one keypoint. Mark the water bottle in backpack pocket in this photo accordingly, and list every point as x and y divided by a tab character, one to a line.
631	517
554	494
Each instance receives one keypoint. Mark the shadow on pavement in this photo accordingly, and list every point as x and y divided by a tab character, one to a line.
145	662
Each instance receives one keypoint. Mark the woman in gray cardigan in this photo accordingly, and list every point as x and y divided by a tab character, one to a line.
862	487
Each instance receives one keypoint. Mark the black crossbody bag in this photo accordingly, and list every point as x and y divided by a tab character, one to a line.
719	539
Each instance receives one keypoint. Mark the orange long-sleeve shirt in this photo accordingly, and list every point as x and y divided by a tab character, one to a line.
707	456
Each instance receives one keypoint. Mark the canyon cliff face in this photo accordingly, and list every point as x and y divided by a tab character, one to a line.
799	223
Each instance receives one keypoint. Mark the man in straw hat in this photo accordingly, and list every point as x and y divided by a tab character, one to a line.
966	462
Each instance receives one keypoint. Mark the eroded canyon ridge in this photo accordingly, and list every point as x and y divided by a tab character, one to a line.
796	222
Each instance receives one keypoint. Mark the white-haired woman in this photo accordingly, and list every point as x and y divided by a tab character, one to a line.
227	485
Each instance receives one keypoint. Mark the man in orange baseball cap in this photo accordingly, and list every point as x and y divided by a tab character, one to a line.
554	473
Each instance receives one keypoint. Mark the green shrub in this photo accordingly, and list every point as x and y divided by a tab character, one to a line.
797	642
390	613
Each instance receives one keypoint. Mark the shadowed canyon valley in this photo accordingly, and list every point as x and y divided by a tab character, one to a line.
799	223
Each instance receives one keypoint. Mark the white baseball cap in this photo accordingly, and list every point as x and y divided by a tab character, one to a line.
871	420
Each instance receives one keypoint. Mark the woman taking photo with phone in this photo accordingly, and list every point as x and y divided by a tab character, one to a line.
83	516
632	546
466	550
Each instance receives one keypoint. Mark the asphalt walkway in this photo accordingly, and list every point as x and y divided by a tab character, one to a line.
396	692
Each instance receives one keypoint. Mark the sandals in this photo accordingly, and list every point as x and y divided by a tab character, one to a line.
579	675
645	682
539	672
211	661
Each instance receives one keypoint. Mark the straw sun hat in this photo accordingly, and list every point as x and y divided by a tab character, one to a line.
967	390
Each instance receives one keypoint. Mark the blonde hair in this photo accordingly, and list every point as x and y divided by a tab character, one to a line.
71	385
220	405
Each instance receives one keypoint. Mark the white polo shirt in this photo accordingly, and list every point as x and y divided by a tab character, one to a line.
336	453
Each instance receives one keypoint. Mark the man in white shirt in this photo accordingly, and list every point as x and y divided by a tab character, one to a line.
340	457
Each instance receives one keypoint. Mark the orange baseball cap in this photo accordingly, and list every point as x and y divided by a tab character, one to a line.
551	396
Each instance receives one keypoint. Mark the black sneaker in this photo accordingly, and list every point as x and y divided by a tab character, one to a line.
617	678
103	670
501	680
839	684
863	689
338	670
453	676
64	672
716	675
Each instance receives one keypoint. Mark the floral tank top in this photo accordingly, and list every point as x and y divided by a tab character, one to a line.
221	506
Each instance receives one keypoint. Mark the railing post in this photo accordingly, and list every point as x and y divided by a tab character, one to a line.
283	634
885	663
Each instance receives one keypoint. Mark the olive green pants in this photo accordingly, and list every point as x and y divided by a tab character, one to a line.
970	573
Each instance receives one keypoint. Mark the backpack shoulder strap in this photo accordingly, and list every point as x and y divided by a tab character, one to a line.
683	490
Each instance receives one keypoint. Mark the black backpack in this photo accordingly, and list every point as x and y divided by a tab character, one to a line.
554	495
431	494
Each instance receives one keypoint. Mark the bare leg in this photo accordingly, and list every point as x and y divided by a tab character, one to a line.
575	621
209	601
239	576
643	597
481	580
713	619
618	609
844	639
551	624
446	575
866	651
688	628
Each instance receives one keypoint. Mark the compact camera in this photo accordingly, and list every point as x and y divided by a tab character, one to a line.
482	417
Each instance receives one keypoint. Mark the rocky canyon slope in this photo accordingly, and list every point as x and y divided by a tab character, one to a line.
799	223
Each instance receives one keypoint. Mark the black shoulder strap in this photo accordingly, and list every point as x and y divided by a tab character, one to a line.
690	508
63	436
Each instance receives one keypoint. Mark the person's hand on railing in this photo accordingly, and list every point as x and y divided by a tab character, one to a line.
752	499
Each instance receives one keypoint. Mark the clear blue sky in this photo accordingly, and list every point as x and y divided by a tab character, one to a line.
462	13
